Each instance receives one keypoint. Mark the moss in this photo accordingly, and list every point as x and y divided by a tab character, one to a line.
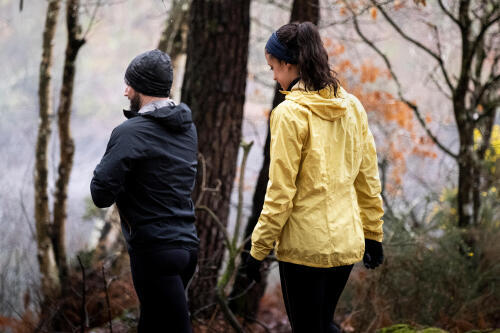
403	328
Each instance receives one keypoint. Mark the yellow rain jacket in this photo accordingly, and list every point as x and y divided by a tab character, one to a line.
323	195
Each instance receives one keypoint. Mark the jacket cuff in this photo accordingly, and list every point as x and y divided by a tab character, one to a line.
376	236
259	255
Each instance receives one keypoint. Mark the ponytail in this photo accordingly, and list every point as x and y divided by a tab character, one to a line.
304	43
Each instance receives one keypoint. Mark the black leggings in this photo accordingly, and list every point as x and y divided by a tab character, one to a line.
311	295
160	278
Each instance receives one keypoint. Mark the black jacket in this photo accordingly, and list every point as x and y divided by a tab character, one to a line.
149	169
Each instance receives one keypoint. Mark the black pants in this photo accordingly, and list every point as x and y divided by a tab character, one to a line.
160	278
311	295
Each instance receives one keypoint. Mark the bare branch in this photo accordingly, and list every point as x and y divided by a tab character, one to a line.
218	222
398	84
92	19
203	187
257	21
242	245
438	40
437	57
239	213
479	39
438	85
279	5
84	319
261	324
26	216
449	14
383	168
107	299
233	321
490	84
346	20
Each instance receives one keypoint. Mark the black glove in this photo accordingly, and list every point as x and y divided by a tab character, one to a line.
253	268
374	254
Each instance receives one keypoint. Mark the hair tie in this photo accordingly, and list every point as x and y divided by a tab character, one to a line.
278	50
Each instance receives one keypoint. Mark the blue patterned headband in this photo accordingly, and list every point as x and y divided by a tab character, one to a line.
278	50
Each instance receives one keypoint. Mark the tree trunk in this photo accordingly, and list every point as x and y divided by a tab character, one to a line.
248	304
50	284
173	41
173	38
67	146
214	88
111	247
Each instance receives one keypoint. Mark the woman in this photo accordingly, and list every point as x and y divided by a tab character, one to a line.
322	212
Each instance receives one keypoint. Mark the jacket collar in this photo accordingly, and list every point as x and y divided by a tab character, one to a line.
152	106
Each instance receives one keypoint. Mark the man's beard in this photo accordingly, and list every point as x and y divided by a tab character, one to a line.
135	103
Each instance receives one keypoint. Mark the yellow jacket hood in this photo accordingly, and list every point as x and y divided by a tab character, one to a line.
322	103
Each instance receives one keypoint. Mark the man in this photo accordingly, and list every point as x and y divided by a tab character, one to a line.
149	170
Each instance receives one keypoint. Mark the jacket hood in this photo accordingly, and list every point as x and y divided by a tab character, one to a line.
176	118
322	103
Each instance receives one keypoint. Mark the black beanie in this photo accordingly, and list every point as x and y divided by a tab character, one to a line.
151	74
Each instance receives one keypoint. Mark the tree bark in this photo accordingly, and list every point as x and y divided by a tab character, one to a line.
111	246
248	304
174	37
67	146
173	40
214	88
50	284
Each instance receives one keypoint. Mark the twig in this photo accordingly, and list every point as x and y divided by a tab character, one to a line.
25	214
258	322
247	289
242	245
416	43
449	14
221	297
217	221
410	104
202	309
92	19
246	150
203	187
107	299
84	320
277	4
346	20
438	85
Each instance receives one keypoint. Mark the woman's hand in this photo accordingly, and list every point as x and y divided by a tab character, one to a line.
374	254
253	269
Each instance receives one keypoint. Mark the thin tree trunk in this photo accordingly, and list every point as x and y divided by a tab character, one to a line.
50	284
467	178
111	246
67	146
173	41
214	88
248	304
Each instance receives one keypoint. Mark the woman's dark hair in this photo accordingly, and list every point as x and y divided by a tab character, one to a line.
303	40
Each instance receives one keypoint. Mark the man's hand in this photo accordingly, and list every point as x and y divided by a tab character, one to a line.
253	269
374	254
